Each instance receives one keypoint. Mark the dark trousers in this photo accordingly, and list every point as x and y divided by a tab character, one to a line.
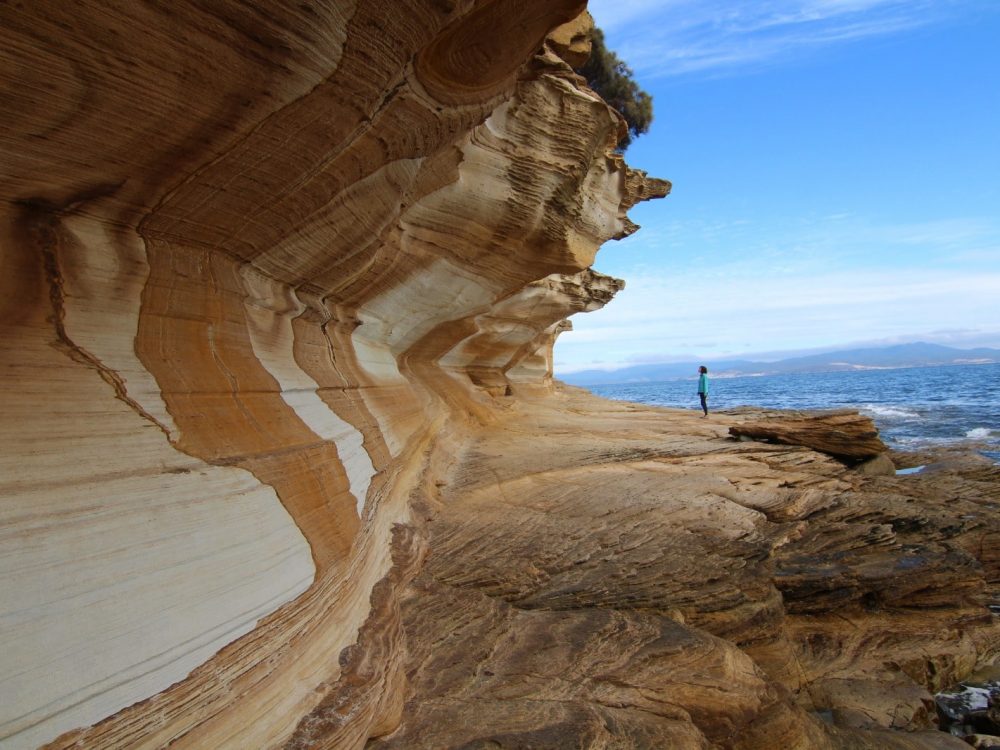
704	402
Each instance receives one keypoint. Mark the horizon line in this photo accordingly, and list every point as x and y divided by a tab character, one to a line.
769	357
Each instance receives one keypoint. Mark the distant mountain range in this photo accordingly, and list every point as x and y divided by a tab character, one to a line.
887	357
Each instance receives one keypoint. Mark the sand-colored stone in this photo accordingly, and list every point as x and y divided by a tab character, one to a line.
546	568
845	435
239	243
282	462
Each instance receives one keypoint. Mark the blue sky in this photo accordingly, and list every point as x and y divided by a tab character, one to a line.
836	172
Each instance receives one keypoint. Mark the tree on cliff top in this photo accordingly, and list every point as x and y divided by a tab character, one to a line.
610	77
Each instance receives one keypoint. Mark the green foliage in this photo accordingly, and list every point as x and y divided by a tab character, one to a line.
612	79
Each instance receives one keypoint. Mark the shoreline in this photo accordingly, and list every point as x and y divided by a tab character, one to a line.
727	375
913	414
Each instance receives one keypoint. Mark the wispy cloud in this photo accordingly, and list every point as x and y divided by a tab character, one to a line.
657	317
786	244
679	37
714	288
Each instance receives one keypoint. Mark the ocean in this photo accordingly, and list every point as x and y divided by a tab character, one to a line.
913	408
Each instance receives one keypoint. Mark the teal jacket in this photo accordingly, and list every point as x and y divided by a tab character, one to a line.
703	384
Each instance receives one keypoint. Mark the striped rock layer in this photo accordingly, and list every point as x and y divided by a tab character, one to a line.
258	261
282	463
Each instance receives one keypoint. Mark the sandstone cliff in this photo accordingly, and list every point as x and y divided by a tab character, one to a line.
257	261
274	274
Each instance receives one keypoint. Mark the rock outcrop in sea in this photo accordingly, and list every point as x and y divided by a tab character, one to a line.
283	461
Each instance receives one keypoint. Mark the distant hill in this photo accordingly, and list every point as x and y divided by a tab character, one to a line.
918	354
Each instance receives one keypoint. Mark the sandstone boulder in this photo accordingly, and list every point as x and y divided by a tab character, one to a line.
845	435
880	466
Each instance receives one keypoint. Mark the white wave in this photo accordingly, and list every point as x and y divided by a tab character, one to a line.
925	442
979	433
894	412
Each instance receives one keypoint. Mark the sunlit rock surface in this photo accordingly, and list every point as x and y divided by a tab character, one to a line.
258	261
847	436
647	581
281	458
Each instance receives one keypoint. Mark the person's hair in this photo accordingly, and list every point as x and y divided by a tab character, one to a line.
703	369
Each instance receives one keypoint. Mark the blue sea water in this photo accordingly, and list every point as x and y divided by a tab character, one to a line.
914	407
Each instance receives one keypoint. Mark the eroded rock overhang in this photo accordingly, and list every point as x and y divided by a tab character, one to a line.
259	261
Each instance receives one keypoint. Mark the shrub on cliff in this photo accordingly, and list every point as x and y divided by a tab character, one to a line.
610	77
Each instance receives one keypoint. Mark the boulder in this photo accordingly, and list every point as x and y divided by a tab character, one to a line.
847	436
880	466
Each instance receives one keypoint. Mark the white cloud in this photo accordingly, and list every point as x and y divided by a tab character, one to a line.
653	318
804	244
717	288
681	37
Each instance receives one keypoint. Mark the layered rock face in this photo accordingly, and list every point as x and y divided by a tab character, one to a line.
258	260
282	460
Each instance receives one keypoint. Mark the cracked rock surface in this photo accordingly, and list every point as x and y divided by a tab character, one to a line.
649	582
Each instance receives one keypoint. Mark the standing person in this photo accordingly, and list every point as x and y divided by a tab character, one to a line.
703	388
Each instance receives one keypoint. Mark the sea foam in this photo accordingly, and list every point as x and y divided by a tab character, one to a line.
979	433
891	412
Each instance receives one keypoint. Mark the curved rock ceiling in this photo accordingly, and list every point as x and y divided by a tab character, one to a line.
256	261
